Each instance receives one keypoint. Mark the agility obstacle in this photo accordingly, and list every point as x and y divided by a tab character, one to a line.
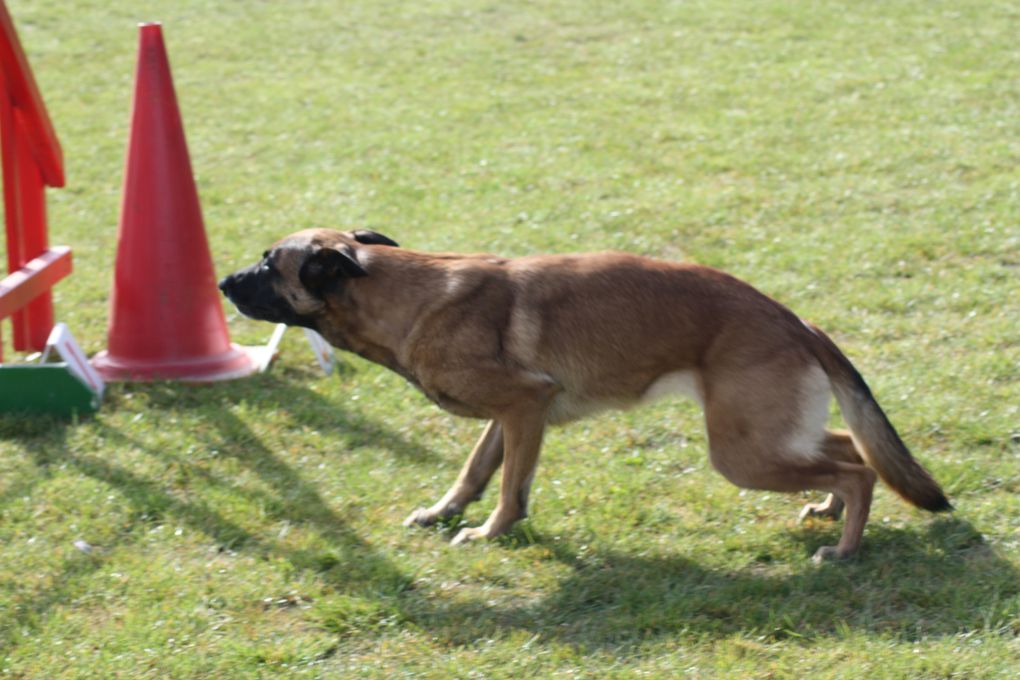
166	320
32	160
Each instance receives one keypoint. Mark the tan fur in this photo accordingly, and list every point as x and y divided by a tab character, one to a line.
540	340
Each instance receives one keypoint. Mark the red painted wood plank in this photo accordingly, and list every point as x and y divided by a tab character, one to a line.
32	324
35	278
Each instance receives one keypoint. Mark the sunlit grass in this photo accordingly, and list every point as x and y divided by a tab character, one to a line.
857	161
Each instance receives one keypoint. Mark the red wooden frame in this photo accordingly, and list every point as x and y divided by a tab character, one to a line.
32	160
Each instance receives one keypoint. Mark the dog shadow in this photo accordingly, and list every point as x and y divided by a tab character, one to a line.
908	582
936	582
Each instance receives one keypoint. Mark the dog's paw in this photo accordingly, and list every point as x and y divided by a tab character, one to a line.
818	510
469	534
422	517
828	553
831	508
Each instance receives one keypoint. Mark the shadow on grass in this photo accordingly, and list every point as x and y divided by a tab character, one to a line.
275	391
908	583
153	500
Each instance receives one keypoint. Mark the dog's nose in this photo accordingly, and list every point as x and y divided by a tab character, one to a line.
225	283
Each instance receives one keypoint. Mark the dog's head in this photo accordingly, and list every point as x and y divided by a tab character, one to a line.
291	282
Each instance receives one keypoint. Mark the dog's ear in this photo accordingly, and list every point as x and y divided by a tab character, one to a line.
326	267
373	238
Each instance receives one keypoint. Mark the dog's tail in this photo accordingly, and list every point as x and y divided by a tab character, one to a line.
873	434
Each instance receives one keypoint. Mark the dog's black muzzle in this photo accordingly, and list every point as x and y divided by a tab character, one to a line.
251	291
243	286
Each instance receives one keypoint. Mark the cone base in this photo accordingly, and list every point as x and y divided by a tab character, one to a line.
237	362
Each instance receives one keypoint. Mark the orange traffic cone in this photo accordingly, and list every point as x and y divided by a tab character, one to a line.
166	322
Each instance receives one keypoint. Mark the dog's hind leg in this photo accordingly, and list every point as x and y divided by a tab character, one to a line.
767	431
849	483
471	482
837	445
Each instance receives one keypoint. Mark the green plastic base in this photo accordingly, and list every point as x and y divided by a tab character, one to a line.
44	388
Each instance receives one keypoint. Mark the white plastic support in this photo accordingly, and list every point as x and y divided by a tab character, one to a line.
263	356
323	351
63	343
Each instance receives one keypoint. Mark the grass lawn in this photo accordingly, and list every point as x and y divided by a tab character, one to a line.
858	161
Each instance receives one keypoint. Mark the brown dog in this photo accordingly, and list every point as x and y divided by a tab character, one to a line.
542	340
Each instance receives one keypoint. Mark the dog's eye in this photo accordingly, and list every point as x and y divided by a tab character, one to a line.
266	264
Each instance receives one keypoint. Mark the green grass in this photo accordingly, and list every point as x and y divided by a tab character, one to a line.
859	161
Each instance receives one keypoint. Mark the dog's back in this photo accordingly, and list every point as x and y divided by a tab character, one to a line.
608	326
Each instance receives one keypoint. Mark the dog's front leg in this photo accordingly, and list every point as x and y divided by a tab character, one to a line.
522	440
473	478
